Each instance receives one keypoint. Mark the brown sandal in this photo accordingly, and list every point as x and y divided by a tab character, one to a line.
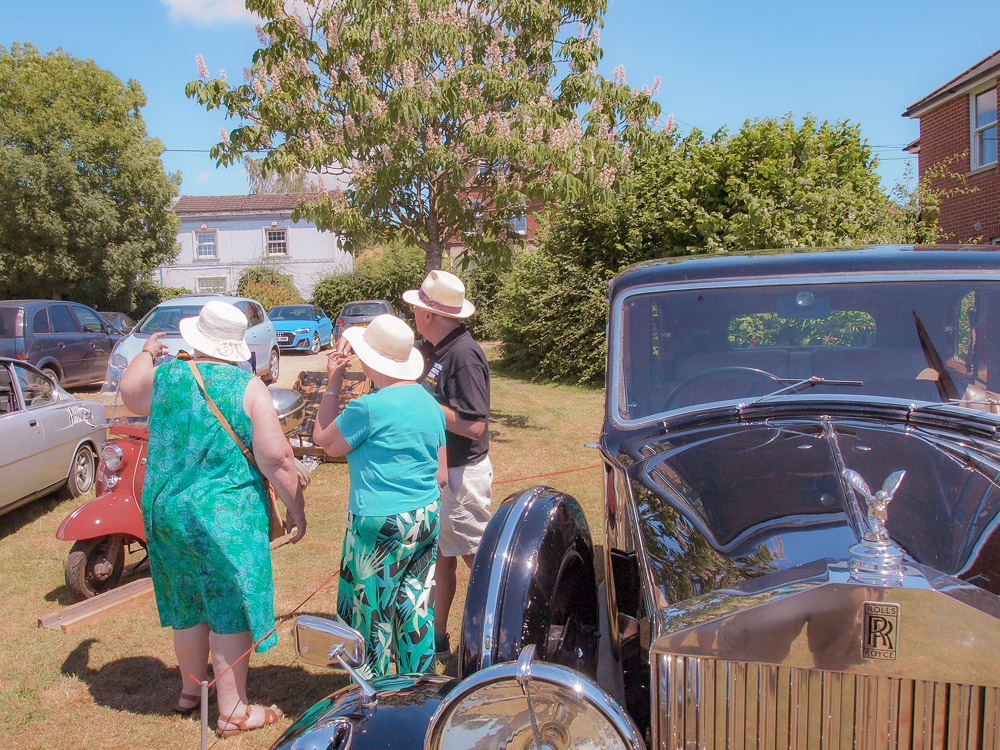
271	714
195	700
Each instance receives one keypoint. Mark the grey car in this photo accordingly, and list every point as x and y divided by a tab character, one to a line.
49	439
360	313
69	341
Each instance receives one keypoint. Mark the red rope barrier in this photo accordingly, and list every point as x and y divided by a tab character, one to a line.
550	474
280	621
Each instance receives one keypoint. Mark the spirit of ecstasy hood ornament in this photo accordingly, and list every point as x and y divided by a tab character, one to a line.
876	559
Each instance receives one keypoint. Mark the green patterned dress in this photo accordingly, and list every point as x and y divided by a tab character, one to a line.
204	507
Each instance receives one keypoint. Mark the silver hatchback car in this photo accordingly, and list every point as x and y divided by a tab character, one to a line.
49	438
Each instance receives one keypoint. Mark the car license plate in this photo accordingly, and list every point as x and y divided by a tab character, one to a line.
284	339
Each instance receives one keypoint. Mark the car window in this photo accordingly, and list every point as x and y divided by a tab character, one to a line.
36	389
168	317
8	401
255	314
291	312
62	320
89	320
40	321
367	308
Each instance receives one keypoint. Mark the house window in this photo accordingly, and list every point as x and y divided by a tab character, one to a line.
212	285
984	128
276	241
520	224
206	244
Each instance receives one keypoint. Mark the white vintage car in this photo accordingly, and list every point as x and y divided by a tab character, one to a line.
49	438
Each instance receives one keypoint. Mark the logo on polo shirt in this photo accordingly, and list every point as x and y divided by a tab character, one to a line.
433	373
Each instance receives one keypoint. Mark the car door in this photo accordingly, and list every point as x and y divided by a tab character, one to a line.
324	324
256	335
96	342
25	464
65	343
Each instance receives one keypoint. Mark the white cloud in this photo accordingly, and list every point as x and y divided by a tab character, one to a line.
203	177
208	12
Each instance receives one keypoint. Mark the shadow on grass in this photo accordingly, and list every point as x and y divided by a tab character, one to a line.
14	520
145	685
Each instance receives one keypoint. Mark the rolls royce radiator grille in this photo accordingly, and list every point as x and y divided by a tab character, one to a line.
706	703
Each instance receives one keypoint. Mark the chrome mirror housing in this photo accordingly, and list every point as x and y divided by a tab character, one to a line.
316	638
289	405
533	705
326	643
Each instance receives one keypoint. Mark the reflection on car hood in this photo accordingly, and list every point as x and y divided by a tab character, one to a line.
766	494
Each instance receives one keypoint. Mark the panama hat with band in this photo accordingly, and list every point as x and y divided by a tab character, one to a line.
386	346
442	293
218	332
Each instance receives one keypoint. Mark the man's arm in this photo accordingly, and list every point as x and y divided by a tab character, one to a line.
465	427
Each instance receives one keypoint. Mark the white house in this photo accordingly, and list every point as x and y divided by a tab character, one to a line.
220	235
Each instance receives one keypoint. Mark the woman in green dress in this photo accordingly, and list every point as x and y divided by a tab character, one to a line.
205	508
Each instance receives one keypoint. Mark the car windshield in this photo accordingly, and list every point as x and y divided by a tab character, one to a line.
923	341
167	317
292	312
360	309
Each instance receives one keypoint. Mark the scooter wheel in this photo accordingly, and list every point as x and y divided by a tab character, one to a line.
95	566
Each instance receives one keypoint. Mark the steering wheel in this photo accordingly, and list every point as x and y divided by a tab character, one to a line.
753	376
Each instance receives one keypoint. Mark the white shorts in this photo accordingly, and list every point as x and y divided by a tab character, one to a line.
465	508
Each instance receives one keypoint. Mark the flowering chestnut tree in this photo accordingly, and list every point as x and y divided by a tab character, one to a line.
442	118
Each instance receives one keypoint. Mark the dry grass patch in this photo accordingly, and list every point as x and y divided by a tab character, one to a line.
113	684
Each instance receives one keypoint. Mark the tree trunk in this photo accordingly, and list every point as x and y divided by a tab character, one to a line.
433	255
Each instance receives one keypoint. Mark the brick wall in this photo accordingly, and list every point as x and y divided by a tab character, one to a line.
944	133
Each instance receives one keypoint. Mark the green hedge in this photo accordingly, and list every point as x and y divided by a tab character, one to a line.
378	274
268	286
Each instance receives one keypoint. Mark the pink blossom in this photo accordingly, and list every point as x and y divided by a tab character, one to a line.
378	107
314	140
222	75
332	37
608	174
223	135
354	71
349	126
670	124
581	30
595	35
656	84
619	75
202	68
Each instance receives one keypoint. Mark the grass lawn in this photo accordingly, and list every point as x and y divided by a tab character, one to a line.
113	684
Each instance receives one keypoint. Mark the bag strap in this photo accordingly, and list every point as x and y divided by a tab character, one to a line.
215	410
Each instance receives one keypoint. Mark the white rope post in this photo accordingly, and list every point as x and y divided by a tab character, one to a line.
204	715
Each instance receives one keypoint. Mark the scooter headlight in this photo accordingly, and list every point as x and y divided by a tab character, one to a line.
112	457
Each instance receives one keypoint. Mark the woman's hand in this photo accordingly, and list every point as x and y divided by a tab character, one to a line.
295	521
155	346
343	346
336	364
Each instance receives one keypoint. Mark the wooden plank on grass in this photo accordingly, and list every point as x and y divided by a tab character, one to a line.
102	605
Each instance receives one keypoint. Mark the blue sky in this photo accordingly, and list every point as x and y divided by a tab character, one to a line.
720	63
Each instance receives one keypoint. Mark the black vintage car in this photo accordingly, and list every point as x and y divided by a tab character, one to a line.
802	457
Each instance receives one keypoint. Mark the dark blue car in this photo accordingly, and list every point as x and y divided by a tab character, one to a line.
301	327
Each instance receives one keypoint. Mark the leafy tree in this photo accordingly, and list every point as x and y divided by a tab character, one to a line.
84	200
773	184
444	116
268	286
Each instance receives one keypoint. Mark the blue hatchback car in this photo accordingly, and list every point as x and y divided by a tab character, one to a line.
301	327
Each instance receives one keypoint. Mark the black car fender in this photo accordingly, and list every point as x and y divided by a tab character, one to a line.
533	582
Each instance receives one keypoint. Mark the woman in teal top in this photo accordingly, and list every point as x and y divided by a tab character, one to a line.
394	442
205	507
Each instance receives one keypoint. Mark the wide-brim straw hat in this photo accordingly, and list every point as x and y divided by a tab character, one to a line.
442	293
218	332
386	346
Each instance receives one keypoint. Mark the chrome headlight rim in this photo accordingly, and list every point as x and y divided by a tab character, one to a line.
112	457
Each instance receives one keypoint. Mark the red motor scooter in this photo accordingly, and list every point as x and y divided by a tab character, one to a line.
108	529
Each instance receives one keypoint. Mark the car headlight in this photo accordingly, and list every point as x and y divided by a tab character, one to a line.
301	330
112	457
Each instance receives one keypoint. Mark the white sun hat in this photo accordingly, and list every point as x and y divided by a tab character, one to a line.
217	331
442	293
386	346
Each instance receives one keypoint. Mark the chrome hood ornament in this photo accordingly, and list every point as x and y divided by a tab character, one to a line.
876	559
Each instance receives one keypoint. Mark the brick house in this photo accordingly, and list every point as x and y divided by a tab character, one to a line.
960	119
221	235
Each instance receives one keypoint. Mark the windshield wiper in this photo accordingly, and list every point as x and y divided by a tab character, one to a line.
811	381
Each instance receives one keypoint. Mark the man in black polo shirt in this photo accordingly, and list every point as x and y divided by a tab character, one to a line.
458	376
